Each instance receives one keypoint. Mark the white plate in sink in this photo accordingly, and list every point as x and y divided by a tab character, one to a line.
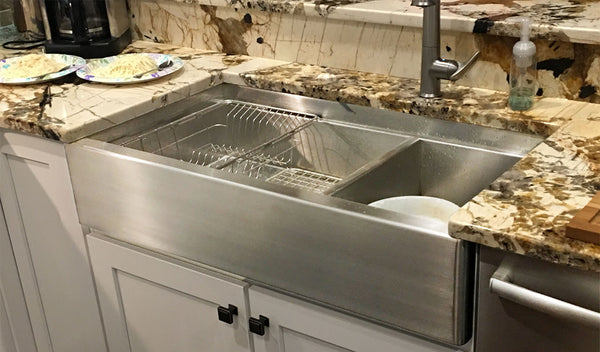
435	212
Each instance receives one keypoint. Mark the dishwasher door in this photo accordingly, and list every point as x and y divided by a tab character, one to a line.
528	305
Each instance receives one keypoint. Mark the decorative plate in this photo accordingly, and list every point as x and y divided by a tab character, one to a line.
87	72
76	63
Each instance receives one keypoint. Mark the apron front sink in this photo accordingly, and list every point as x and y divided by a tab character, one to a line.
204	181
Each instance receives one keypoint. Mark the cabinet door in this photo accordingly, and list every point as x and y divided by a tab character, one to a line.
48	244
15	330
7	343
298	326
152	303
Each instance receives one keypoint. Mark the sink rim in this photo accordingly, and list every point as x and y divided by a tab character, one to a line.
435	130
412	127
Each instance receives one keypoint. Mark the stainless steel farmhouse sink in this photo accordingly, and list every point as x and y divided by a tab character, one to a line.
273	187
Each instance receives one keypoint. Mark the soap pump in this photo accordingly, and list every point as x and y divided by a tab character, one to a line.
523	70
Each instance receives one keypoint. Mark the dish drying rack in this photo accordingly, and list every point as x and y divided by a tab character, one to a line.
255	140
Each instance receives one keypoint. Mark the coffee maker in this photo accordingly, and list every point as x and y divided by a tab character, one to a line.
86	28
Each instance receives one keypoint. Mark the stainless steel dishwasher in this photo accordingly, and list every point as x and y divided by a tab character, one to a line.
528	305
274	188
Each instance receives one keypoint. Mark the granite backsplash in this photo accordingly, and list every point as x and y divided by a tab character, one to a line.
320	33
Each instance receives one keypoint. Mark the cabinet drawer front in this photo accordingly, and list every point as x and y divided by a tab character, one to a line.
297	326
150	303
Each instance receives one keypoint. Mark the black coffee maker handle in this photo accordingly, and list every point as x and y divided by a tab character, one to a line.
79	23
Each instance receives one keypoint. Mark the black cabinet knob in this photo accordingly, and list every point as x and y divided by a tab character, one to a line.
226	314
257	326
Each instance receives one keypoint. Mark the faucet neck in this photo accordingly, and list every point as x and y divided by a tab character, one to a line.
431	28
433	68
430	53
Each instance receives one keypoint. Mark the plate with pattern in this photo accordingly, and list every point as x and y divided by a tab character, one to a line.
66	65
90	70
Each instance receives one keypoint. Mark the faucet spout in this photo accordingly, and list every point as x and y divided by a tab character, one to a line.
433	67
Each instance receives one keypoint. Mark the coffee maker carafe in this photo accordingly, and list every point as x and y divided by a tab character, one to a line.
86	28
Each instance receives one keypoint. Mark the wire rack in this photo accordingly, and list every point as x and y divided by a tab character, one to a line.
304	179
242	138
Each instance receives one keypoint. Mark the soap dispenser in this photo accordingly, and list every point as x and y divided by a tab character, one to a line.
523	70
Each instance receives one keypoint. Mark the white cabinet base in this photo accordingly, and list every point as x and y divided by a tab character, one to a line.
154	303
151	303
298	326
15	329
48	245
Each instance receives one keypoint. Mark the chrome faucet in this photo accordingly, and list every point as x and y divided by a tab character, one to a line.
434	68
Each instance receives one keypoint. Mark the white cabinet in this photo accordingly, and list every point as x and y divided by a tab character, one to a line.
153	303
15	330
48	245
298	326
7	343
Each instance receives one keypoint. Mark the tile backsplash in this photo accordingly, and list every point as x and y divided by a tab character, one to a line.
566	69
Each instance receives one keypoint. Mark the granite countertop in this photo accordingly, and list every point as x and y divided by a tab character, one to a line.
525	211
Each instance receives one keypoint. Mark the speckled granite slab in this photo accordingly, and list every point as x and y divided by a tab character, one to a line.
524	211
566	20
527	209
379	36
461	104
71	108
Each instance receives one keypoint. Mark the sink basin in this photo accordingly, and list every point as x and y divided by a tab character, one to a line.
428	168
274	188
226	129
271	144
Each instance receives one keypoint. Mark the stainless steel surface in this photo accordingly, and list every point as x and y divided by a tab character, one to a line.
428	168
304	179
341	254
118	17
543	303
366	261
231	127
433	68
527	304
89	28
463	67
272	144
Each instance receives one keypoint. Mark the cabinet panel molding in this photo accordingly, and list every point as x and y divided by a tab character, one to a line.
297	326
48	244
153	303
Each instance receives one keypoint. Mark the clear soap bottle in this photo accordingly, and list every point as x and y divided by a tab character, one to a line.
523	70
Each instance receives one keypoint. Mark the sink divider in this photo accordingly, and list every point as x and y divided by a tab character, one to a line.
258	148
365	169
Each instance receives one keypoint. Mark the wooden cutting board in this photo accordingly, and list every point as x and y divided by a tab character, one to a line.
585	226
